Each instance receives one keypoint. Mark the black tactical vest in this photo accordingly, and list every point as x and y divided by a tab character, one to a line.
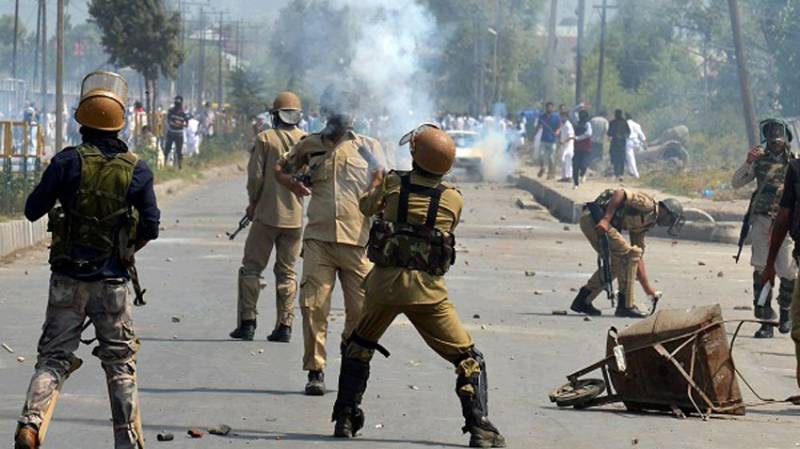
415	247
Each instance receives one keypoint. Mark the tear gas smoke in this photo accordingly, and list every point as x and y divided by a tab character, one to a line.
497	156
381	61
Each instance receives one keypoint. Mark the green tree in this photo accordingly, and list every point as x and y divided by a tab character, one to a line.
781	32
141	35
247	92
7	43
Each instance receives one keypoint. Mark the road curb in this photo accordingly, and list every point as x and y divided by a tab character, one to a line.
20	234
568	210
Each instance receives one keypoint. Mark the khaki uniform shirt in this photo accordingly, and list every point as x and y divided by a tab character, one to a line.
640	212
399	285
274	204
340	176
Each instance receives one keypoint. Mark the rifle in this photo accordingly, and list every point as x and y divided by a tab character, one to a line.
138	291
604	256
746	222
243	223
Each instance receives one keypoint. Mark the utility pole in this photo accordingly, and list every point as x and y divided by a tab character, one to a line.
44	59
495	94
552	44
16	31
219	67
36	45
744	75
202	58
602	61
581	12
60	76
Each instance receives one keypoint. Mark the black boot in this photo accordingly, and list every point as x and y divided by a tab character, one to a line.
581	305
624	312
281	334
347	414
764	312
245	331
785	293
785	321
473	392
316	383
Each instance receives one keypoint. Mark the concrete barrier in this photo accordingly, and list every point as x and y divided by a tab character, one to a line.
20	234
569	210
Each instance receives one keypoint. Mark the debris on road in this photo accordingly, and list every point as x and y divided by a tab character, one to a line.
559	312
527	204
221	430
502	218
165	436
413	387
483	327
476	316
379	426
573	289
20	359
530	274
195	433
559	242
260	351
701	263
587	318
537	292
747	307
566	228
176	319
720	274
8	348
169	259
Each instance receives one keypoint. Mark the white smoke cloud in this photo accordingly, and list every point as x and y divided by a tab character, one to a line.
388	39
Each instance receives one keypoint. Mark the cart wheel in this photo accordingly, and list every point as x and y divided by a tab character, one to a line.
577	394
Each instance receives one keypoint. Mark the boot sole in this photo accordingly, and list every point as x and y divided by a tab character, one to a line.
279	340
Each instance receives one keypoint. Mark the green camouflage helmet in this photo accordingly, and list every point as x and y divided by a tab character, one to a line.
766	123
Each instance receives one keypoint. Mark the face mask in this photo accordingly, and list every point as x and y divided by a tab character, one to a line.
289	116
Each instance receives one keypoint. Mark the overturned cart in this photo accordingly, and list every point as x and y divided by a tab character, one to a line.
676	360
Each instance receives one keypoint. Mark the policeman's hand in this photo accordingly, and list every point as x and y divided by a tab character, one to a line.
298	188
602	226
377	178
250	211
768	275
755	154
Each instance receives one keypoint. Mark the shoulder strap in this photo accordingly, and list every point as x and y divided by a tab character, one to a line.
406	188
283	137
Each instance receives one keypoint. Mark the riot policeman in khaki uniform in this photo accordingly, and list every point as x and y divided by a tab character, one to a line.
611	213
768	166
107	212
277	215
412	246
334	166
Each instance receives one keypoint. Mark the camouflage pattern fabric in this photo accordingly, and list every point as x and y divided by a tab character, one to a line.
770	172
409	246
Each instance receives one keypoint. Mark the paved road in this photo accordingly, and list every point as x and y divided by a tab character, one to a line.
192	375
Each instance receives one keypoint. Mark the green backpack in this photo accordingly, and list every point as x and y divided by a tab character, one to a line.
101	219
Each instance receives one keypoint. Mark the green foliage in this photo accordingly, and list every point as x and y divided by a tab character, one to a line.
246	95
139	34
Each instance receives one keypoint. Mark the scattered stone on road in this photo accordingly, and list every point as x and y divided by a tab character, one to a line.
221	430
164	436
530	273
8	348
701	263
195	433
20	359
559	312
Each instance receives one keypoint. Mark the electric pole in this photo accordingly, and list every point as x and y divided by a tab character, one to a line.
60	75
44	59
744	75
202	58
16	31
219	67
36	45
602	61
552	44
581	12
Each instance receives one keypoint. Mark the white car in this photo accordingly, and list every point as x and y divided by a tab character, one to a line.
468	157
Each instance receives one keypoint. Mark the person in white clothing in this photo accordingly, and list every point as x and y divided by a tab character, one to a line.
567	140
637	141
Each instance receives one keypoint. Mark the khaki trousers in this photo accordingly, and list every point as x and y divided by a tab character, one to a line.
257	249
623	254
107	304
437	323
322	261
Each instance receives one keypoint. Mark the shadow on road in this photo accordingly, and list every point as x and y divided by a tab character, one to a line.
219	390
